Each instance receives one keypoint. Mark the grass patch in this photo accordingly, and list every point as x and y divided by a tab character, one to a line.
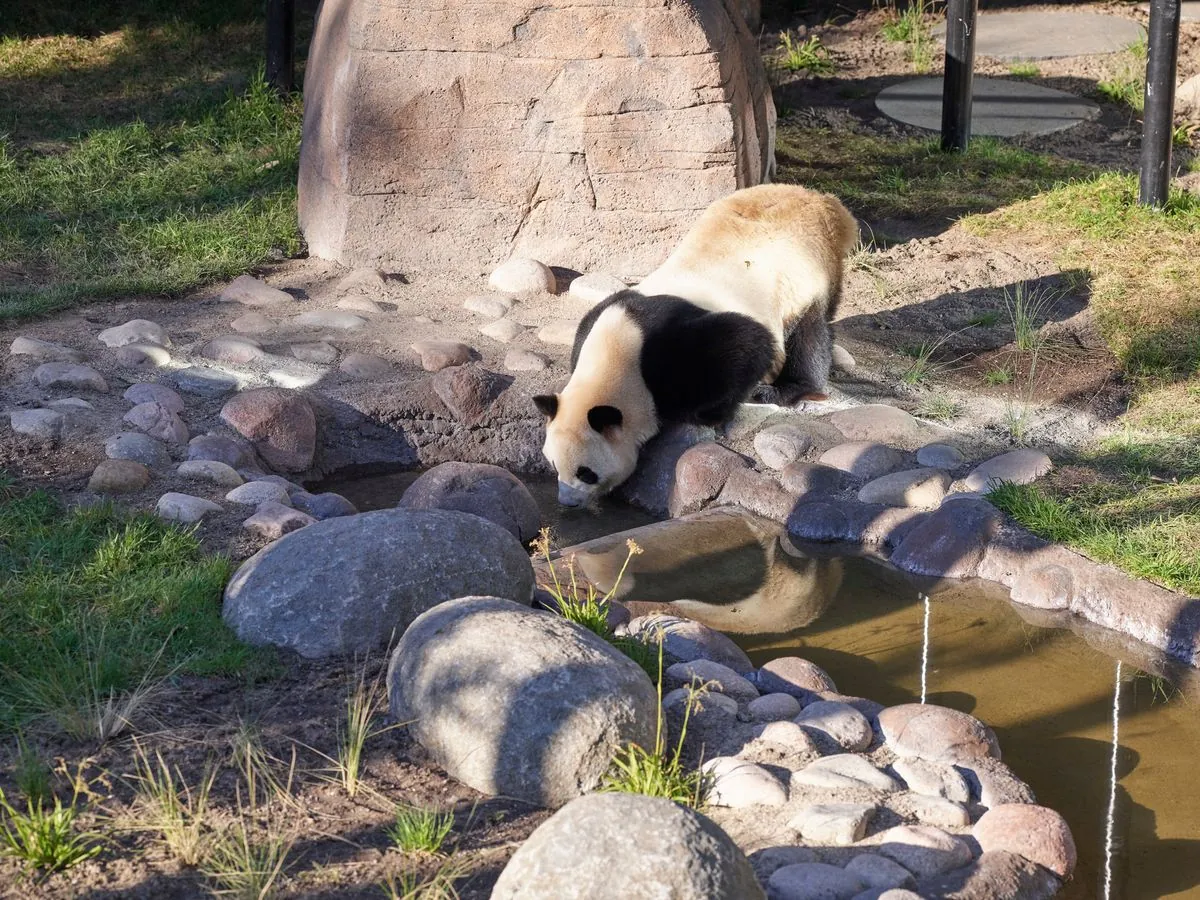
912	178
97	605
938	408
1126	83
440	885
1027	312
911	26
809	56
247	863
1024	70
44	838
998	376
169	807
147	158
420	829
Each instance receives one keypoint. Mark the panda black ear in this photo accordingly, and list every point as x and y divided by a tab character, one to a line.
601	417
547	403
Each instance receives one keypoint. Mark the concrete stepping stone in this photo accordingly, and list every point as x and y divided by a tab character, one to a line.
202	382
44	350
142	356
365	366
837	722
138	447
923	850
329	318
1049	34
1000	108
737	783
69	375
864	459
184	508
273	520
44	425
525	361
835	824
255	492
438	355
503	330
560	333
940	456
144	392
234	349
249	291
877	871
135	331
917	488
595	287
780	445
492	306
523	276
845	771
158	421
212	471
1017	467
118	476
812	881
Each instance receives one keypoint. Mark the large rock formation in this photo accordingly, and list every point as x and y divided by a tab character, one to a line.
449	136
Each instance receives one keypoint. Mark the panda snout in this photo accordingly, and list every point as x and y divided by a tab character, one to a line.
571	496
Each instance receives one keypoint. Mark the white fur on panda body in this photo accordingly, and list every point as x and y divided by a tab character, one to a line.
772	257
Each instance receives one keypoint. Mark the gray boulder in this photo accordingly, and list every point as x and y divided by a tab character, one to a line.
624	845
348	584
518	702
491	492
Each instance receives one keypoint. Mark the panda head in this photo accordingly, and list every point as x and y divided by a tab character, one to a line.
590	445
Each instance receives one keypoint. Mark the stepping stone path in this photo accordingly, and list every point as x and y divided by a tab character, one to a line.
1052	34
523	276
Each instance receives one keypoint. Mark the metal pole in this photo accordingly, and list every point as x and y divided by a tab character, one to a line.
960	72
1158	119
281	45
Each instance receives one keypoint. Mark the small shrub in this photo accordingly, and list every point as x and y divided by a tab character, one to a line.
420	829
44	838
809	56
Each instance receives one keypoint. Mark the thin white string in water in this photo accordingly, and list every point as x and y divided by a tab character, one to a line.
1112	796
925	649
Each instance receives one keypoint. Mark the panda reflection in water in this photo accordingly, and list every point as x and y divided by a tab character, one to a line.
743	303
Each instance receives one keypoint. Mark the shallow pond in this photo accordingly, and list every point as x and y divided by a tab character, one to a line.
1048	692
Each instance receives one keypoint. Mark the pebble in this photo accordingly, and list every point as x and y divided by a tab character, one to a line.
916	488
327	505
157	421
273	520
936	732
362	304
879	872
1034	832
142	356
737	783
932	778
719	677
210	470
1016	467
136	331
863	459
561	333
438	355
812	881
255	492
940	456
878	422
154	393
594	287
938	811
521	275
249	291
369	281
329	318
503	330
842	359
44	425
138	447
184	508
118	476
69	375
233	349
780	445
492	307
923	850
839	722
203	382
25	346
845	771
364	366
793	675
318	353
525	361
218	448
836	824
773	708
253	323
801	478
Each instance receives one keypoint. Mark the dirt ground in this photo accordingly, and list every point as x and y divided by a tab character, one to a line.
924	284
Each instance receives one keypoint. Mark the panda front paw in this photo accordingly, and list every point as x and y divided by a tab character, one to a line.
765	393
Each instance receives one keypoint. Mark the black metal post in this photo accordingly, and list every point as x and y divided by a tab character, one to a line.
281	45
1158	118
960	73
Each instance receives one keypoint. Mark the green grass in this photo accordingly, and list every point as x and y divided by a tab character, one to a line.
42	837
882	177
97	605
168	807
420	829
985	319
998	376
1024	70
938	408
810	56
144	160
1126	83
1028	308
911	27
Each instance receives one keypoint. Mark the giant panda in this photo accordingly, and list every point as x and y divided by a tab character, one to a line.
744	299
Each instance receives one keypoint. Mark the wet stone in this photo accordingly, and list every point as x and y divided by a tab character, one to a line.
932	778
879	872
781	445
255	492
329	318
737	783
326	505
773	708
184	508
1016	467
138	447
253	323
720	678
157	421
560	333
936	733
920	488
136	331
802	478
490	306
940	456
523	276
595	287
44	350
879	422
218	448
950	542
503	330
365	366
74	376
923	850
833	824
700	474
154	393
812	881
118	476
217	473
273	520
249	291
1045	587
1035	832
233	349
142	356
837	722
845	771
685	640
360	304
793	675
525	361
208	383
45	425
438	355
864	459
317	353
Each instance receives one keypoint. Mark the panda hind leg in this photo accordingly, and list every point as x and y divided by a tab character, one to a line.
805	374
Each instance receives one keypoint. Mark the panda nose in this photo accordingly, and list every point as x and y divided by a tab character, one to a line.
570	496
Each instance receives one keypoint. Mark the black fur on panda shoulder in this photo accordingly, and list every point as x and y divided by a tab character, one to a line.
698	365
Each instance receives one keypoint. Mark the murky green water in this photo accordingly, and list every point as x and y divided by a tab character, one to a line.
1047	691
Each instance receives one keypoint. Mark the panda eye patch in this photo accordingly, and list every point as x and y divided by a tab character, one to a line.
586	475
